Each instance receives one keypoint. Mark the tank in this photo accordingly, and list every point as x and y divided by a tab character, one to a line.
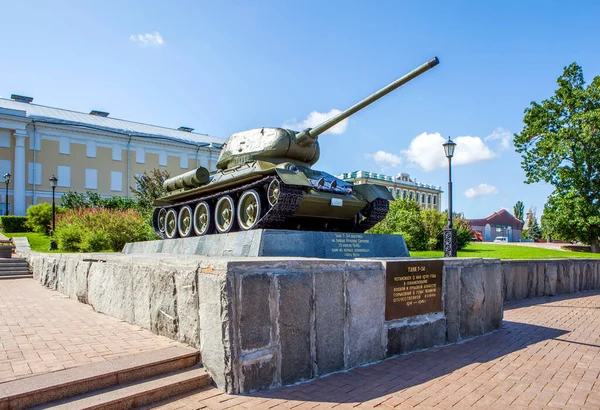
264	179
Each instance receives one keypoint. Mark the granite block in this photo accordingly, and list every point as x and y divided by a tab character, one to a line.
365	310
255	315
295	304
329	321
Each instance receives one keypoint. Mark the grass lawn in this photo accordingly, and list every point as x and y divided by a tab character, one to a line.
501	251
38	242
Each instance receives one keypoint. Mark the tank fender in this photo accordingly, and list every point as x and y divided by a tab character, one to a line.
290	177
371	192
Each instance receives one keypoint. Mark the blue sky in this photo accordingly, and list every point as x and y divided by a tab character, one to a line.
222	67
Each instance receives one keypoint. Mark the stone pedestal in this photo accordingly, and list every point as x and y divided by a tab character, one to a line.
273	242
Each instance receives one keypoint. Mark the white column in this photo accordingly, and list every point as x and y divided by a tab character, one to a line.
19	174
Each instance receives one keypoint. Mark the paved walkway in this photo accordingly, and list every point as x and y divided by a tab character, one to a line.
547	355
42	331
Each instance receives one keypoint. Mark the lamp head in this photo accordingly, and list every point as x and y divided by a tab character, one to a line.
449	148
7	178
53	181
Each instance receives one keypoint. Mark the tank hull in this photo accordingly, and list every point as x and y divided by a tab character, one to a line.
267	196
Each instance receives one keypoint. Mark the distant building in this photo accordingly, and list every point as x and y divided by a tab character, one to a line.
501	223
400	186
87	152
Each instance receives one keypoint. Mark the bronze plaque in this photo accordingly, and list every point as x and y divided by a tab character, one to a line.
413	288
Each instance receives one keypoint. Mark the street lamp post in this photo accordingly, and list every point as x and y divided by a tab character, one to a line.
7	181
449	231
53	182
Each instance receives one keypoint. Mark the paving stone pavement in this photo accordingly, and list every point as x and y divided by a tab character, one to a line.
42	331
547	355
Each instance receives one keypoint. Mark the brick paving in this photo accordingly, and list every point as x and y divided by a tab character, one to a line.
547	355
43	331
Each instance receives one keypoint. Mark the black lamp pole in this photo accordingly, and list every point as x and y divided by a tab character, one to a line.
53	182
7	181
449	232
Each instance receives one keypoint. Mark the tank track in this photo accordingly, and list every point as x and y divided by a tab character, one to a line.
378	210
289	200
280	215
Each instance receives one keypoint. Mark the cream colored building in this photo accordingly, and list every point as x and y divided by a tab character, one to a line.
400	186
87	152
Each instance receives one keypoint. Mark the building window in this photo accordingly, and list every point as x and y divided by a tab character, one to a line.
63	173
117	152
163	159
404	194
64	146
140	155
38	173
5	166
435	199
410	196
90	149
5	139
423	198
116	181
183	161
428	199
91	178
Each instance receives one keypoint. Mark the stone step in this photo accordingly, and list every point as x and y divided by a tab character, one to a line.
48	387
2	277
138	394
15	272
11	261
15	266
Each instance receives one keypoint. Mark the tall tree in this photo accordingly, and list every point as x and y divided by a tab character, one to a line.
560	145
519	210
149	186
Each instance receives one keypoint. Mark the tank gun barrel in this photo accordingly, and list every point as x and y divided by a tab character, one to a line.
309	136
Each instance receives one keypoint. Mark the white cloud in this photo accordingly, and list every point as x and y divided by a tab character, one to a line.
148	39
315	118
427	152
481	190
385	159
504	136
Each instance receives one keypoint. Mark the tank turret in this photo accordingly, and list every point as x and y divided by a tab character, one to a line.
279	145
264	179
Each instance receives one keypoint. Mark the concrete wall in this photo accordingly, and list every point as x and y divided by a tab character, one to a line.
264	322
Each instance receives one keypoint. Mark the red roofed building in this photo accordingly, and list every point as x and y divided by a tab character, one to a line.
501	223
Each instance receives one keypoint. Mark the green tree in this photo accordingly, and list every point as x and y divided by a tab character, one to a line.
560	145
519	211
149	186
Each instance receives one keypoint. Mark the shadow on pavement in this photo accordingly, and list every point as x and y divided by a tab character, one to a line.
541	301
402	372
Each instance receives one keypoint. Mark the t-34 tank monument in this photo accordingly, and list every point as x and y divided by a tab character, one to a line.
265	182
264	264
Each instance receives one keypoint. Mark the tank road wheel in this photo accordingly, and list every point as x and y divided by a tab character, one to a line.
171	224
184	222
249	210
162	215
224	214
273	192
201	218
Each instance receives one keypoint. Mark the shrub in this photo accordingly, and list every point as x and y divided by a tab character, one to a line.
95	241
102	229
12	223
68	237
39	217
74	200
404	218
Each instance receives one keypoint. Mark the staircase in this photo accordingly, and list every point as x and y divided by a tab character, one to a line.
123	383
13	268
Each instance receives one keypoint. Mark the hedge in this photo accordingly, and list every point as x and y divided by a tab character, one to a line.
12	224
